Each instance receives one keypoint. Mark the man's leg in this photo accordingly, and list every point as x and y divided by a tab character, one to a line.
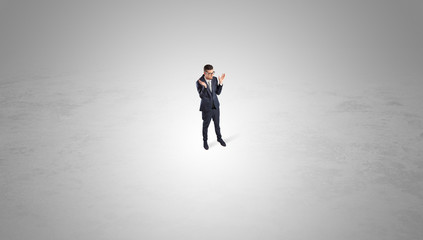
207	116
216	120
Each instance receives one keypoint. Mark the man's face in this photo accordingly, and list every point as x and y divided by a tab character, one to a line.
208	74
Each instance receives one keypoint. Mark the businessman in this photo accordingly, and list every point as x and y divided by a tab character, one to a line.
208	87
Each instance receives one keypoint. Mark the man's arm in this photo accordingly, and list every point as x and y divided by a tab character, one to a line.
219	87
202	91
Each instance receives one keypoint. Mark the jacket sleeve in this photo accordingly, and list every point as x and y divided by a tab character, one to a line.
202	91
219	89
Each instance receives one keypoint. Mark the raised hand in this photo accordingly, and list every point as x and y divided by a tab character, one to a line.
221	78
202	83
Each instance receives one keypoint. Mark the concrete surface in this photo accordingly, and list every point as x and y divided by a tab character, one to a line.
321	110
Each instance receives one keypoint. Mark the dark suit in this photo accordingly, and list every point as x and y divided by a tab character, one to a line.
210	105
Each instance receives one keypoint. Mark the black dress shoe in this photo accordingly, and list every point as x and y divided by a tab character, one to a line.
206	146
221	142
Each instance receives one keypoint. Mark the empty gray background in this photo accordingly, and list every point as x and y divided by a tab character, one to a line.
100	128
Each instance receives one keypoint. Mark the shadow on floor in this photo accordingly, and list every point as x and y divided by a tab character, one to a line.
227	140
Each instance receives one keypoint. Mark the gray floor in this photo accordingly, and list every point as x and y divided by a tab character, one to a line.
323	141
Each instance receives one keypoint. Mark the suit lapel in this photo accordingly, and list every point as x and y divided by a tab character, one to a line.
212	88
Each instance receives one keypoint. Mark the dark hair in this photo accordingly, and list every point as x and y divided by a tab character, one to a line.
208	67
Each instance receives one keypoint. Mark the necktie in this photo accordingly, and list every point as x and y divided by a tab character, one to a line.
209	83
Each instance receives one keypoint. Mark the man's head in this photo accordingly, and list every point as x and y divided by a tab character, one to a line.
208	71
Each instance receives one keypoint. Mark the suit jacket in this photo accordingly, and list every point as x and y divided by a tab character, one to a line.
208	98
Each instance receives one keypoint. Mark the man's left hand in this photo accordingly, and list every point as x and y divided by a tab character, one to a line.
221	79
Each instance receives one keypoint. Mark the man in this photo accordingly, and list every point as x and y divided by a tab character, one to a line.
208	88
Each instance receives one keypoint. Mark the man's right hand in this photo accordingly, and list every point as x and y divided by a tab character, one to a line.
202	83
